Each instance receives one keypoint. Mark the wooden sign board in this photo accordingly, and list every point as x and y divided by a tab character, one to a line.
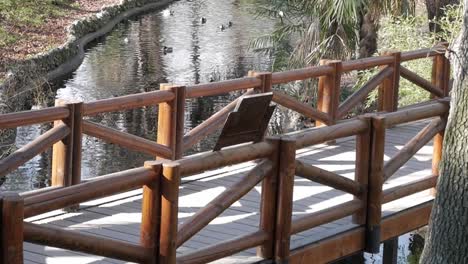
248	122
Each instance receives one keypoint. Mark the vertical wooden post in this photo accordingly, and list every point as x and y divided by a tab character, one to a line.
180	122
268	207
171	121
287	170
388	91
170	182
62	152
390	251
77	143
361	172
441	79
151	212
374	197
441	71
267	84
11	228
329	91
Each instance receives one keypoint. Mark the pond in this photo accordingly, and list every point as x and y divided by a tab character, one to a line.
132	59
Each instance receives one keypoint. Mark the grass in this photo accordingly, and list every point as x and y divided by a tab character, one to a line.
27	13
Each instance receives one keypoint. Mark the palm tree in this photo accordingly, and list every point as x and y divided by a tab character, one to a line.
325	28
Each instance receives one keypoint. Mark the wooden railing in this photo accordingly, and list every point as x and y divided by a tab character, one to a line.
160	235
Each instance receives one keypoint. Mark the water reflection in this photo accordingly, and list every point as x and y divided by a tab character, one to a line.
131	59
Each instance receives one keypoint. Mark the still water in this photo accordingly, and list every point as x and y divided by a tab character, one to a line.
209	42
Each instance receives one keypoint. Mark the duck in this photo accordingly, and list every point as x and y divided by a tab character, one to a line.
167	49
230	24
222	27
203	20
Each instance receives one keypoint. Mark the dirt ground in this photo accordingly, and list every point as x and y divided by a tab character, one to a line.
52	33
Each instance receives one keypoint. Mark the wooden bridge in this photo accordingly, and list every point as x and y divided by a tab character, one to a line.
311	196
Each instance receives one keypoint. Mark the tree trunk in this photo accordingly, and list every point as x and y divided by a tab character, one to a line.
435	10
447	238
367	35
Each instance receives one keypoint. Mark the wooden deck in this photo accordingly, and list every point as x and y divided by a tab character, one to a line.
118	217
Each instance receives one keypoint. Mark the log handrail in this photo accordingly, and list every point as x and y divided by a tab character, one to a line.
319	135
328	215
219	204
33	148
366	63
229	156
436	108
328	178
362	93
302	108
25	118
98	187
222	87
421	82
126	102
87	243
224	249
126	140
301	74
413	146
400	191
423	53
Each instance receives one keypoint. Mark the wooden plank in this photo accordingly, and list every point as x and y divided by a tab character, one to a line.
247	122
210	125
